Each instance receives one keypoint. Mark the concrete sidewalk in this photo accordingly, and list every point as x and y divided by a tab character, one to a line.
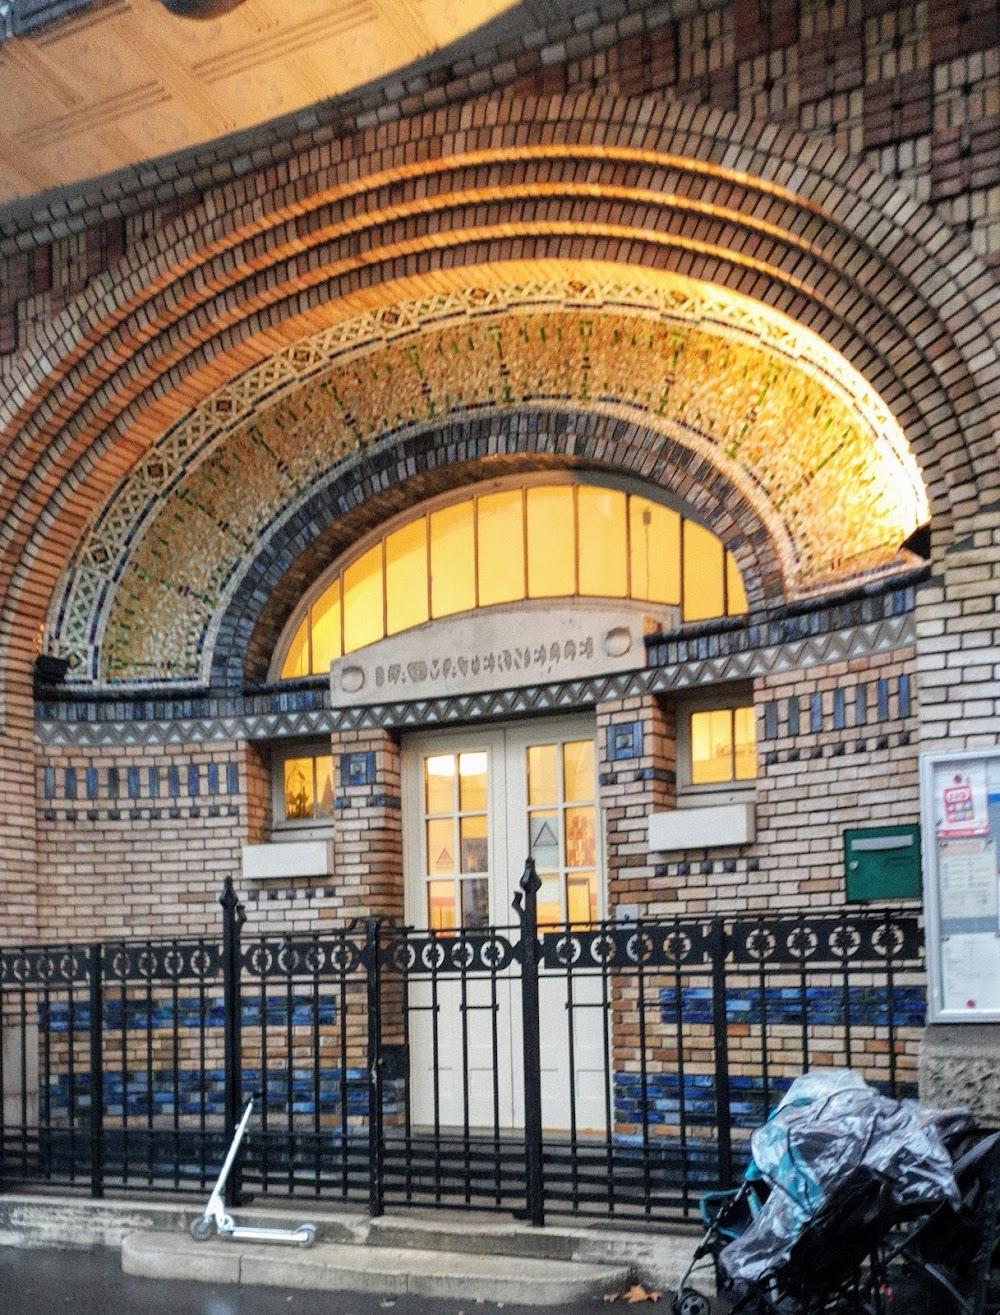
91	1282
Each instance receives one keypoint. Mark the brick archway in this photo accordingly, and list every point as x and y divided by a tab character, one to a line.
782	221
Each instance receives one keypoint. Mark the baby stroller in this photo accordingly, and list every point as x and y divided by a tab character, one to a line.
837	1171
951	1254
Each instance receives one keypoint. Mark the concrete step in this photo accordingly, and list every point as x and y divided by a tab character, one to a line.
391	1271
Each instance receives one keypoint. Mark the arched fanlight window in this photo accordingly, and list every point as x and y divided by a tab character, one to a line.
512	544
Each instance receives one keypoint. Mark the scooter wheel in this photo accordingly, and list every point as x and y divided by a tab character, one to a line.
689	1302
201	1228
307	1234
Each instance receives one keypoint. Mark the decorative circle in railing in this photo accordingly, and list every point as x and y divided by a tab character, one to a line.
677	946
801	943
568	950
495	953
761	944
314	959
288	958
259	960
888	941
173	964
845	941
203	962
146	965
432	956
639	948
463	953
344	956
603	949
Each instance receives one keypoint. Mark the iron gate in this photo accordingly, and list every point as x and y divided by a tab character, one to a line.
126	1064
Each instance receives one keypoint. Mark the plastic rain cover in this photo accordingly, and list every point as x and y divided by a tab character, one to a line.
829	1124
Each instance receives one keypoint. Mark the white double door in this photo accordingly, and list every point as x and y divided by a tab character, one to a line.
476	804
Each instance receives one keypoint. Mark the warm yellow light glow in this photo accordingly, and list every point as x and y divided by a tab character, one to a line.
551	542
453	560
500	522
745	743
363	623
723	746
703	579
406	602
655	535
603	542
569	539
736	596
324	617
296	661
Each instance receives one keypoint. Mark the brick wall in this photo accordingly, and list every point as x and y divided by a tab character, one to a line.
914	89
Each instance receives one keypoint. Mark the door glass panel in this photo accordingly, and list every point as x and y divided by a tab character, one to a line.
551	542
439	783
475	904
543	831
406	577
578	771
580	851
440	845
441	905
475	853
549	903
453	560
581	897
472	782
500	554
543	784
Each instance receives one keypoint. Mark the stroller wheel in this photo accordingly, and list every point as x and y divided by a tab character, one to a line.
689	1302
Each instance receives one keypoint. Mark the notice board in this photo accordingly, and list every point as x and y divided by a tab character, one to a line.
960	820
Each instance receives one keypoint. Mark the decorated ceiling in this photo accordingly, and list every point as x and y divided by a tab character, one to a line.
123	81
782	418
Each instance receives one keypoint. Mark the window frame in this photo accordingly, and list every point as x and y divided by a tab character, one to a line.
716	699
524	483
300	828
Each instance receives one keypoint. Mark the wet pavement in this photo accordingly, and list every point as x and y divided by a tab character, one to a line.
48	1282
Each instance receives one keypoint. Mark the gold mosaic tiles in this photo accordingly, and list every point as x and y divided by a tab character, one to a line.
780	414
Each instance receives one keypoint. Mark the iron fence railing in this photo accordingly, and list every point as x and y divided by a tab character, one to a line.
612	1070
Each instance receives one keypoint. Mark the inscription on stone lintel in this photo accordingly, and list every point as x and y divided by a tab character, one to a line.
504	650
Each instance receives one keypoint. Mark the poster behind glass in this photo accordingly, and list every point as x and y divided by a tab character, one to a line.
961	802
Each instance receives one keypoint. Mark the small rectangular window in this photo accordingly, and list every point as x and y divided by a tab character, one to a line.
723	743
306	783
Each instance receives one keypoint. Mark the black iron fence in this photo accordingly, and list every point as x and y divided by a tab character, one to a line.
614	1070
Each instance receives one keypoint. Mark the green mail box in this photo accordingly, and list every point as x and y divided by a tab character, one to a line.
882	862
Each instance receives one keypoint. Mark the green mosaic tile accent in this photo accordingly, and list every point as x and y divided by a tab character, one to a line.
786	419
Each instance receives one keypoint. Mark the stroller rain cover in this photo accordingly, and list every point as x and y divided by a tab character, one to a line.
829	1124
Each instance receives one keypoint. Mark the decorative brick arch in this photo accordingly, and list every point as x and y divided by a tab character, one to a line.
781	219
746	394
408	469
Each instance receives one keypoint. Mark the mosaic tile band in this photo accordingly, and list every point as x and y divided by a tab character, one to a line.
790	423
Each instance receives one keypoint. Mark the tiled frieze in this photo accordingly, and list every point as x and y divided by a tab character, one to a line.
152	574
